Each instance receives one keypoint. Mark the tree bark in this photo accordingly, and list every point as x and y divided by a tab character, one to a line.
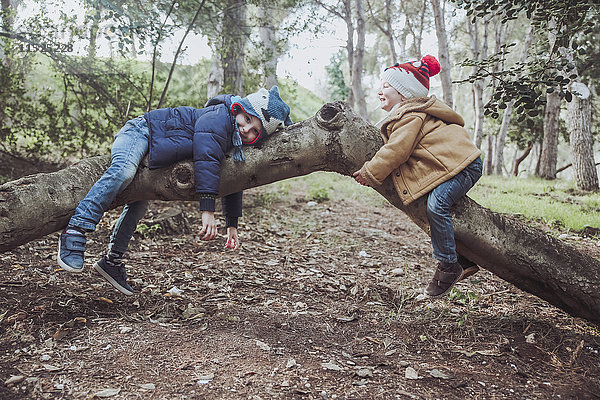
549	153
519	160
443	54
357	65
579	122
214	80
233	45
268	37
347	16
479	51
506	117
525	256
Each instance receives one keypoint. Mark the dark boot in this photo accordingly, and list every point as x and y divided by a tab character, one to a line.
445	276
469	267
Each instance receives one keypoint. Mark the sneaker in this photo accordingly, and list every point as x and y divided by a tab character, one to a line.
115	274
71	249
444	278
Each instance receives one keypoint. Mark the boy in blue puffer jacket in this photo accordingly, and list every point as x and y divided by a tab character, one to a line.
169	135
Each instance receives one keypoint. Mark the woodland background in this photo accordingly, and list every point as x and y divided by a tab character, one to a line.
324	299
73	72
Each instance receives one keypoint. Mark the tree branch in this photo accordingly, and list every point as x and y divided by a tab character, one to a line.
523	255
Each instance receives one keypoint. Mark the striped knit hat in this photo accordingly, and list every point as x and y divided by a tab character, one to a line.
411	79
267	106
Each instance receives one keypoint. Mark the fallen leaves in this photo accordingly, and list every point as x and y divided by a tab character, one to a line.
65	328
104	393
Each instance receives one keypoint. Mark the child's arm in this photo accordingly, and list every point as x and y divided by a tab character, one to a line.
232	238
209	225
401	143
232	210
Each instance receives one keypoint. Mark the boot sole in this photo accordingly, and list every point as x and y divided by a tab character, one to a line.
467	272
111	280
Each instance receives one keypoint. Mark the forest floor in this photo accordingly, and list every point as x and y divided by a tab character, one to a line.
322	301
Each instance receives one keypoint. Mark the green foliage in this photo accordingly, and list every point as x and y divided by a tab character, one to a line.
526	129
555	203
575	25
336	85
319	195
468	299
147	231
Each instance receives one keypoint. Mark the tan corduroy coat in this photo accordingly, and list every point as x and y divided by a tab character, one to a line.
425	145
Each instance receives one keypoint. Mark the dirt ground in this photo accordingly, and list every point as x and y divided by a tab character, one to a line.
323	301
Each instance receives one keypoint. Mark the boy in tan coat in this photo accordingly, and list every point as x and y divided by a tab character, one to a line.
427	151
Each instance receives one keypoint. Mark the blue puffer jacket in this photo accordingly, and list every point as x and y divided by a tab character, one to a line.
204	134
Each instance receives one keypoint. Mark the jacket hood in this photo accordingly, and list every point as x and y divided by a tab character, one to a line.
219	99
429	105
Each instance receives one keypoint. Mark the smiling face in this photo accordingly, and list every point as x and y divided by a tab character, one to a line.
249	127
388	96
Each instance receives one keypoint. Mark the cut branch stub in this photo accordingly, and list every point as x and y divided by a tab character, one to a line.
331	116
183	176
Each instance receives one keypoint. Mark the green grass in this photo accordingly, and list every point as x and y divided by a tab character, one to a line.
556	203
323	186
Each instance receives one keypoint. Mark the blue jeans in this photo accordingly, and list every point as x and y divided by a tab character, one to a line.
128	150
438	210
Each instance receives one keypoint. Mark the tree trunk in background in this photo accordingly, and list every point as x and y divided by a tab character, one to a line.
95	13
501	139
387	29
214	81
534	261
411	22
488	167
233	46
579	125
347	16
8	11
443	54
357	65
479	51
390	31
547	162
549	153
579	122
498	160
268	33
519	160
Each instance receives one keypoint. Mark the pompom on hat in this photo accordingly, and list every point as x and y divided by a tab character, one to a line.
411	79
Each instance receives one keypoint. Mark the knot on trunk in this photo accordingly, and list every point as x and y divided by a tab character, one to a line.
183	175
331	116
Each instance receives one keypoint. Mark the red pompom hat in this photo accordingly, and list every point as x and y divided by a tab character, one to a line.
411	79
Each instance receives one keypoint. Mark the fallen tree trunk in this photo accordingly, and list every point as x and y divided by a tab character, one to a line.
338	140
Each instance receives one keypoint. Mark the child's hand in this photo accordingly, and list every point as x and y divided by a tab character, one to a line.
360	179
209	225
232	239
